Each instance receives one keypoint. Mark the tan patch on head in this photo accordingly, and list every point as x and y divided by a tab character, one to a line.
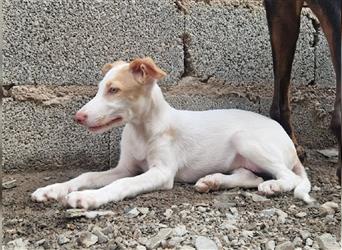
126	83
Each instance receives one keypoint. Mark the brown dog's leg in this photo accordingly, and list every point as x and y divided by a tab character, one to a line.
283	17
329	15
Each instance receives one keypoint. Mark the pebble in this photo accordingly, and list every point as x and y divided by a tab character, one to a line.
18	244
175	241
180	230
328	242
9	184
39	242
316	188
163	234
287	245
76	213
134	212
204	243
168	213
301	214
143	210
62	239
297	241
328	208
201	209
270	245
102	238
255	197
186	247
329	152
304	234
247	234
87	239
309	242
140	247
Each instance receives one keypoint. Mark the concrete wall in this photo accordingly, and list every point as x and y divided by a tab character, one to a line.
52	43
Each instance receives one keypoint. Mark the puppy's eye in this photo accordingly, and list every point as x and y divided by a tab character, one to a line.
113	90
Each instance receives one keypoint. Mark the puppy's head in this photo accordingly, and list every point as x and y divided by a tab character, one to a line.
123	91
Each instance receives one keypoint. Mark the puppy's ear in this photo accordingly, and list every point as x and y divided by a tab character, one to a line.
106	68
145	70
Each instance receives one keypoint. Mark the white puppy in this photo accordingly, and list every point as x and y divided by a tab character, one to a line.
217	149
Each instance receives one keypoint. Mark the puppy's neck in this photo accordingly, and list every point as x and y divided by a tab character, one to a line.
154	115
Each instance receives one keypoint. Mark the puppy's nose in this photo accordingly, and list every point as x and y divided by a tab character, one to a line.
80	117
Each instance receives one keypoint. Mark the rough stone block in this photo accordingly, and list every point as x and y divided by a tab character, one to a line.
41	137
67	42
232	43
325	74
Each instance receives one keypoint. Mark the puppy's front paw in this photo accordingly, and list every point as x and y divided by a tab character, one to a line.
52	192
83	199
209	182
269	187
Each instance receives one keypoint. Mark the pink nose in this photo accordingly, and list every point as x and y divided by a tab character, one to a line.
80	117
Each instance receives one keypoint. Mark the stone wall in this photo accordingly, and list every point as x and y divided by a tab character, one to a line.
53	51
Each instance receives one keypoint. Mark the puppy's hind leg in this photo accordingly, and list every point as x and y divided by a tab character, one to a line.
240	177
270	160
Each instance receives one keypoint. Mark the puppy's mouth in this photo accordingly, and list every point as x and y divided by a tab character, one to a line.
105	126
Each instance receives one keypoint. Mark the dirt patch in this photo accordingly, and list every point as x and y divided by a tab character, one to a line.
230	218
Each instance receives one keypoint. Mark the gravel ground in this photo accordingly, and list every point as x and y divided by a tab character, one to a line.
178	219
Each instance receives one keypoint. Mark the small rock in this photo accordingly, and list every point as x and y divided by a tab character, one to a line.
163	234
39	242
76	213
301	214
228	226
62	239
297	241
168	213
304	234
102	238
329	152
328	208
309	242
108	229
180	230
9	184
204	243
234	210
328	242
287	245
267	212
134	212
175	241
201	209
47	178
140	247
87	239
315	188
19	244
281	215
143	210
247	234
186	247
270	245
255	197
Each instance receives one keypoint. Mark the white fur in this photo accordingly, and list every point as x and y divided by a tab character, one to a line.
161	145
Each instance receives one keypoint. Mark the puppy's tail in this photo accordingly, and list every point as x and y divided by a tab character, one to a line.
303	188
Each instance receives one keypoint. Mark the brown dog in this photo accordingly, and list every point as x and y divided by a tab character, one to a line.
283	18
